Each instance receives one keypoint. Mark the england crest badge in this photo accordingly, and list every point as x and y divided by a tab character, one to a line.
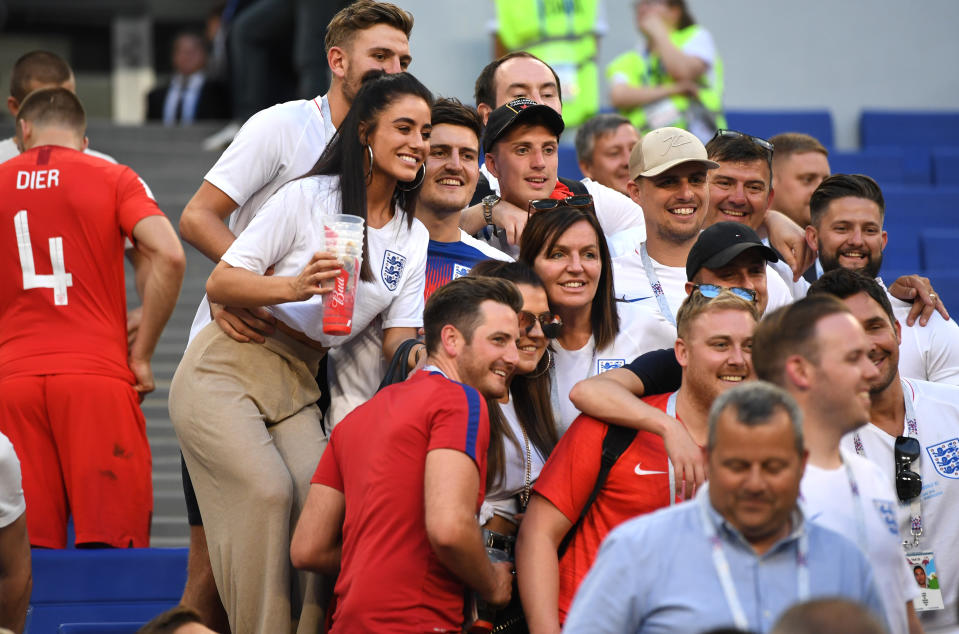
459	270
602	365
945	457
392	270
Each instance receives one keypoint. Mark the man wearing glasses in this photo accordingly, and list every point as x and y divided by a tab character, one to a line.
818	352
573	507
911	437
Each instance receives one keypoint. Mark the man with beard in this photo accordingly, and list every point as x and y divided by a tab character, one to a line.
275	146
393	503
452	169
817	351
910	421
846	230
713	348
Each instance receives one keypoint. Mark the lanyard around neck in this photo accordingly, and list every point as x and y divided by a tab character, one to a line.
656	286
911	430
721	564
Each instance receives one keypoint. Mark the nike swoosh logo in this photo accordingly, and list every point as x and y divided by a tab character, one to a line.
640	471
635	299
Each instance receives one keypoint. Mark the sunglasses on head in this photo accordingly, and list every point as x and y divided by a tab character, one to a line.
908	482
734	134
711	291
579	201
550	323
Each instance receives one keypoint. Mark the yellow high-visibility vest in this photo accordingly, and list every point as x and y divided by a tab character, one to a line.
649	71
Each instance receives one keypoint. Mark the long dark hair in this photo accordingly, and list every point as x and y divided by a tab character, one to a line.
530	393
542	232
345	155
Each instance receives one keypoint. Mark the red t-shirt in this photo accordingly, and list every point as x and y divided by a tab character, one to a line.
390	579
63	218
570	474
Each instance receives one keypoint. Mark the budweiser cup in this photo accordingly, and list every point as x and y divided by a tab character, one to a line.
344	238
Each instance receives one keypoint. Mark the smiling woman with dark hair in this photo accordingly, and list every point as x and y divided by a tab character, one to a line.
245	413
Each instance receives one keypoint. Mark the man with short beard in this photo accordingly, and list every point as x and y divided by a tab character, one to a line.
818	352
452	169
910	421
846	230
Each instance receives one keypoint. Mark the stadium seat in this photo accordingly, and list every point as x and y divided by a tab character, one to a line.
938	249
82	587
945	166
946	284
887	166
568	165
767	123
911	210
908	128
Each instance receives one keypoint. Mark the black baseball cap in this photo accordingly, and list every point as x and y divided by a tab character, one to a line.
519	111
720	243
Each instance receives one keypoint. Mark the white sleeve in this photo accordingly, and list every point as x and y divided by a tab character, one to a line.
616	212
406	310
778	292
253	159
942	355
270	234
701	45
12	504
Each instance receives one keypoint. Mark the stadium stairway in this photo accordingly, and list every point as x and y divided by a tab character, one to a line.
172	163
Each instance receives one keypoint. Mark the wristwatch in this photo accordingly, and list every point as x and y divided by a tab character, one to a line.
488	203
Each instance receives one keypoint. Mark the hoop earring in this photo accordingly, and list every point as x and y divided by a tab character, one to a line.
369	172
549	365
421	176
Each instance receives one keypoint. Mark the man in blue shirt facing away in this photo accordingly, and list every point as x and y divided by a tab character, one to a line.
740	553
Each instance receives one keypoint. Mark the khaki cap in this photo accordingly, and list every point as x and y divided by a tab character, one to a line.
666	148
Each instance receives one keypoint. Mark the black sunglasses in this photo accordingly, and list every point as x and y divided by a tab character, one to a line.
579	201
550	323
711	291
908	482
761	142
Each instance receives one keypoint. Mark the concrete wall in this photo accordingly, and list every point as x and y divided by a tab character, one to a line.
844	55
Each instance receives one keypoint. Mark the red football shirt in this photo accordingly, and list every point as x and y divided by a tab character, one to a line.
63	218
390	580
638	483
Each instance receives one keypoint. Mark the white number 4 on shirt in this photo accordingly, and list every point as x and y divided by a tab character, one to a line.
60	279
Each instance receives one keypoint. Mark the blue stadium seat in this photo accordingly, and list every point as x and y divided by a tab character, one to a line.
946	284
945	166
568	165
908	128
767	123
104	586
909	211
887	167
939	249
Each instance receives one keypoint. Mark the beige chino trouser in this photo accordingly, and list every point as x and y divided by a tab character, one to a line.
249	429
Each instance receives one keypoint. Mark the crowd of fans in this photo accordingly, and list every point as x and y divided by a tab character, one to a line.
660	398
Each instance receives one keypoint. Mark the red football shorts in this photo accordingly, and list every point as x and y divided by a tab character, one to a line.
82	444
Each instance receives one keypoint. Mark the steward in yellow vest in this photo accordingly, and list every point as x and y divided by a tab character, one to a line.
677	80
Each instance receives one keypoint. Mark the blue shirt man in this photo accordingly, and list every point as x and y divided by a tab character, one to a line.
738	555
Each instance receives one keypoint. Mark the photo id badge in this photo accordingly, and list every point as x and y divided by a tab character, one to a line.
923	566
